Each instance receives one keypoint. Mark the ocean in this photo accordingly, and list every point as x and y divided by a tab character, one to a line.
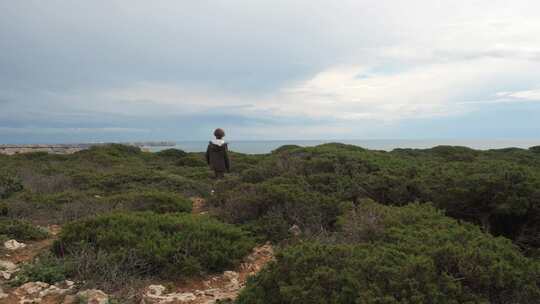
266	146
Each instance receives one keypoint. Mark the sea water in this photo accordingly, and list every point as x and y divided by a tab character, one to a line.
267	146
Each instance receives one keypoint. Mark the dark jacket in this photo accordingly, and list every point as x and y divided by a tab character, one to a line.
217	156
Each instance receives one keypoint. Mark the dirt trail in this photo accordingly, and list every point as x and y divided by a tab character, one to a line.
216	287
206	290
209	290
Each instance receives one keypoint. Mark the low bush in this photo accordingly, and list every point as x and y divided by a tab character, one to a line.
4	209
535	149
171	245
454	153
21	230
58	208
115	150
286	148
192	160
171	153
159	202
45	268
9	185
104	156
67	206
135	179
270	208
411	254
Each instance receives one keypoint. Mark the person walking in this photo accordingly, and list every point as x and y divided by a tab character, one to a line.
217	154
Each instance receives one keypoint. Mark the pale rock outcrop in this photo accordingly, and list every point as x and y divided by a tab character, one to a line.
2	294
70	299
34	292
295	230
232	278
93	296
13	245
155	294
7	269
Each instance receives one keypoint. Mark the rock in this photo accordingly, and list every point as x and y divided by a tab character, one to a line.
94	296
185	297
230	275
51	290
31	288
295	230
53	229
70	299
7	268
69	284
154	295
211	292
36	292
2	294
7	265
156	290
13	245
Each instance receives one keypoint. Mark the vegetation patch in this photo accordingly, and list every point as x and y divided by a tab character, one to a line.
318	197
45	268
411	254
21	230
271	208
171	153
9	185
159	202
171	245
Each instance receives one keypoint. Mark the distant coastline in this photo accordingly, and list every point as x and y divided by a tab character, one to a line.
267	146
8	149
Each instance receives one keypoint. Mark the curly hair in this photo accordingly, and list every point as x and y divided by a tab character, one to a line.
219	133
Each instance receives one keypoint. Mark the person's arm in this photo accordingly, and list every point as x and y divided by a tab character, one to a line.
227	162
207	155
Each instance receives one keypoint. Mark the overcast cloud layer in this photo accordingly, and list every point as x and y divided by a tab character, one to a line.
282	69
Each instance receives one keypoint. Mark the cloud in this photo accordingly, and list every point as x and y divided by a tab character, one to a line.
295	68
522	95
32	130
350	93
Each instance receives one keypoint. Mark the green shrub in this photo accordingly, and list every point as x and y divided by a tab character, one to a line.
272	207
411	254
21	230
192	160
535	149
57	198
253	175
45	268
109	154
118	180
4	209
9	185
159	202
173	245
117	150
39	155
454	153
135	179
286	148
171	153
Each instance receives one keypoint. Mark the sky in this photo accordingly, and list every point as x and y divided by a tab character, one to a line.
111	70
